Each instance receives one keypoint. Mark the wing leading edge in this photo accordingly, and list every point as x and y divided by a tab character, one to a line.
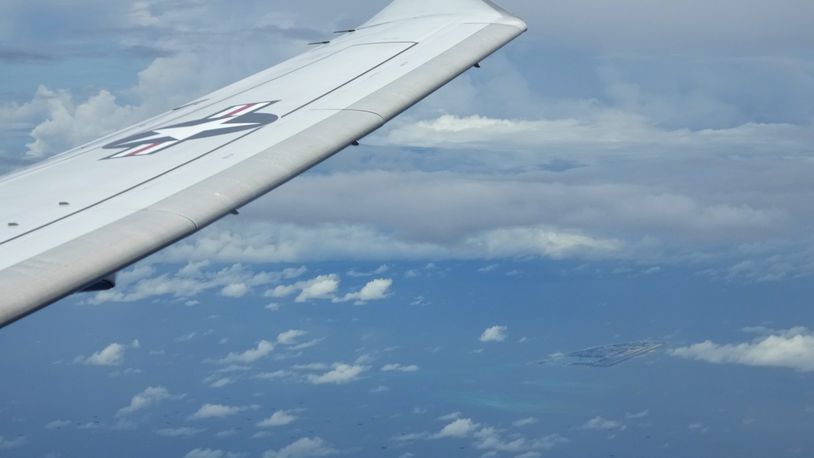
167	178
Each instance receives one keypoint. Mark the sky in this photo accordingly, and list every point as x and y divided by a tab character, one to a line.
625	171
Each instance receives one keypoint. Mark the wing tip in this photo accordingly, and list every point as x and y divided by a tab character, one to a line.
514	21
507	18
486	10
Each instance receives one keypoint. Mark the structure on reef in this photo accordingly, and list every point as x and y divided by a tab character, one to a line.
604	356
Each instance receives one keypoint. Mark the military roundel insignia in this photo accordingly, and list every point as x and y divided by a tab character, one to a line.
238	118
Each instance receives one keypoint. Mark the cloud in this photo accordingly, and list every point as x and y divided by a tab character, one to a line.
252	355
603	424
311	367
616	219
564	216
699	428
525	422
603	130
183	431
411	437
303	448
112	355
150	397
400	368
278	418
339	375
68	123
208	411
210	453
637	415
793	349
513	242
219	382
192	279
373	291
319	373
491	439
57	424
307	344
321	287
141	15
495	334
286	242
276	375
639	26
8	444
290	337
235	290
459	428
382	269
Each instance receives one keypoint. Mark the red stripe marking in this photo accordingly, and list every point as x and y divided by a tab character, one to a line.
243	108
142	149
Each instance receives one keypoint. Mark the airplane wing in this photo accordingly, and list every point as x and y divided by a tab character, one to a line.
70	223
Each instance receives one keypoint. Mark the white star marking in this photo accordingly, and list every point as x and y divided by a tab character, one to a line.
187	132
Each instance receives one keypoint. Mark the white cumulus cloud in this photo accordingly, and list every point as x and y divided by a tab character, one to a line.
191	280
603	424
235	290
303	448
793	349
112	355
491	439
279	418
290	337
340	374
208	411
263	349
321	287
495	334
460	428
151	396
373	291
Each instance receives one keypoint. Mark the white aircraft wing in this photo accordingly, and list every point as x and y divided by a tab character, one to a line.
71	222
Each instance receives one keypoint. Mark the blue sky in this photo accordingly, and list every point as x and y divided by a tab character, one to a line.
623	172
